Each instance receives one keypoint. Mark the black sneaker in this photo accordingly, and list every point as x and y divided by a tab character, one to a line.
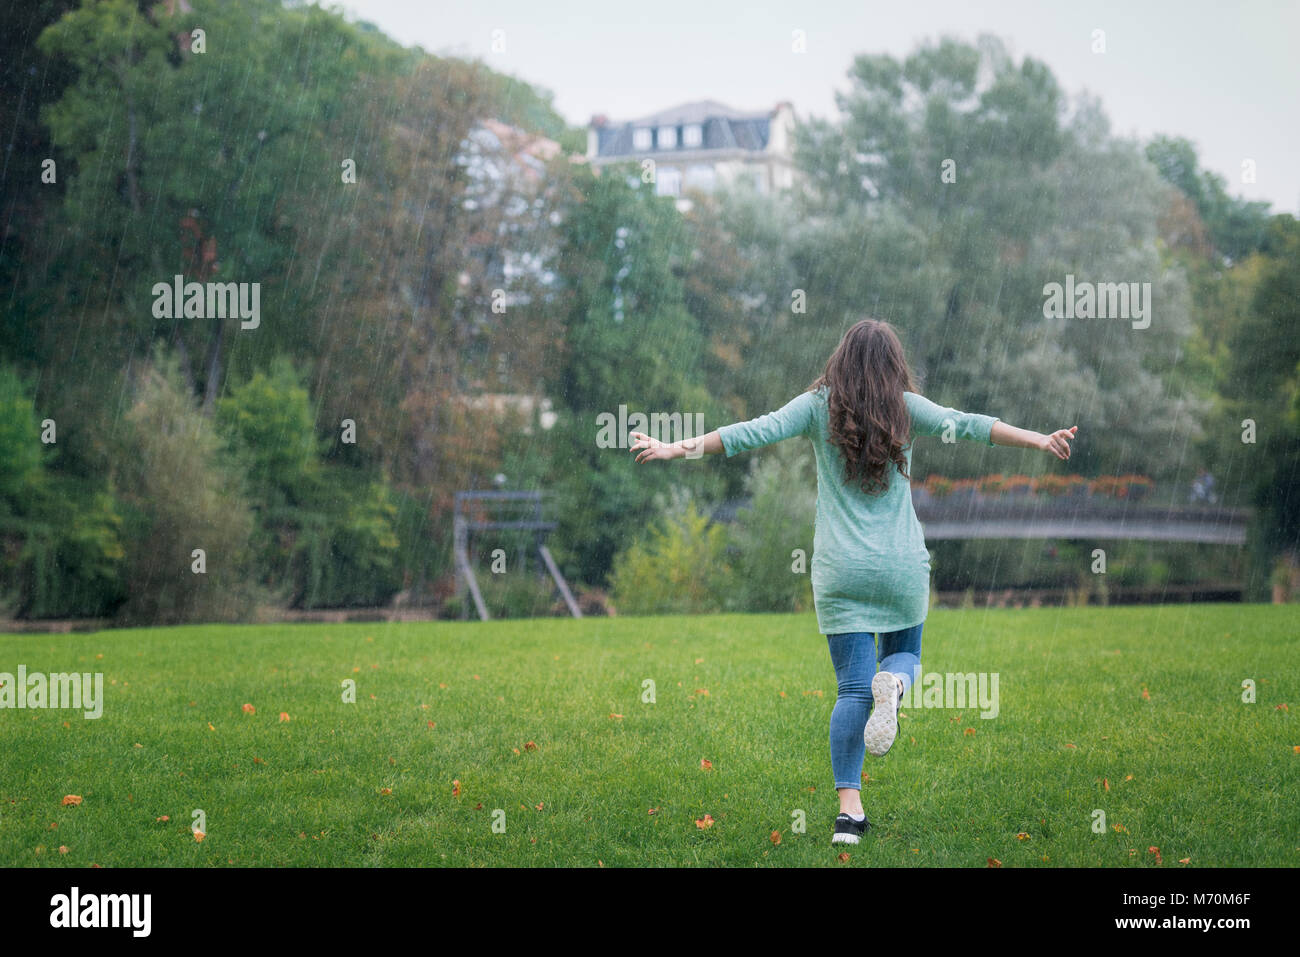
849	831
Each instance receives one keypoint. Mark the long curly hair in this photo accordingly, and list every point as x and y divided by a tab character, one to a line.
865	379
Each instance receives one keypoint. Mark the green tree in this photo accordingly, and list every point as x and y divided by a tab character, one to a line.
1261	385
628	341
1236	227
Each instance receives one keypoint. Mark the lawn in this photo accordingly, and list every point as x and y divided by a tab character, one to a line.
1134	712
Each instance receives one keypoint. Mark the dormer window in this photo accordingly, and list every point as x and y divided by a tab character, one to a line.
641	139
667	137
692	135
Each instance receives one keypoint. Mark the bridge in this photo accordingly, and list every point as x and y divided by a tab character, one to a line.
1084	519
973	516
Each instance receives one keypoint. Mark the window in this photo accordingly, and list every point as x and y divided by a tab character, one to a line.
667	137
700	176
693	136
641	139
668	181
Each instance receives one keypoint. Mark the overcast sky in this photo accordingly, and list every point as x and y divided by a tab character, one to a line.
1224	75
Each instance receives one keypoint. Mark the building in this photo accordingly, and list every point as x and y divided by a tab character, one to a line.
702	145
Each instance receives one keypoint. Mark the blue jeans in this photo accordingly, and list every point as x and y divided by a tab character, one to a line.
854	656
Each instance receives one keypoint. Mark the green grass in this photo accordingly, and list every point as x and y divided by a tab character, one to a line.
1192	769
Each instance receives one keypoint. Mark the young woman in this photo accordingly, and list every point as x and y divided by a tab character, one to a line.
870	566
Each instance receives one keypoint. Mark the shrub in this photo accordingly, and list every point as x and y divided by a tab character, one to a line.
179	495
782	486
678	568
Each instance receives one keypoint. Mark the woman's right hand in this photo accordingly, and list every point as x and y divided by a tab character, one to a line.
649	448
1058	443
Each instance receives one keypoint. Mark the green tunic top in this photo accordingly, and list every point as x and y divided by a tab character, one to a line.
870	566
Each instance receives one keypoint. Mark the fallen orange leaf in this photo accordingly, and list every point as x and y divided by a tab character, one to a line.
706	764
1156	852
1105	783
653	810
199	836
1184	860
704	822
385	791
249	709
1022	836
844	857
455	789
63	848
530	746
994	862
284	715
540	806
703	691
73	799
164	818
969	732
1146	695
776	837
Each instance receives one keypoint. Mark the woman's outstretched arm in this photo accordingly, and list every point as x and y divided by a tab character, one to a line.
651	448
793	418
1058	443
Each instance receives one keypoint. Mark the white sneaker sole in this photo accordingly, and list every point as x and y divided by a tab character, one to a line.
845	839
882	726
